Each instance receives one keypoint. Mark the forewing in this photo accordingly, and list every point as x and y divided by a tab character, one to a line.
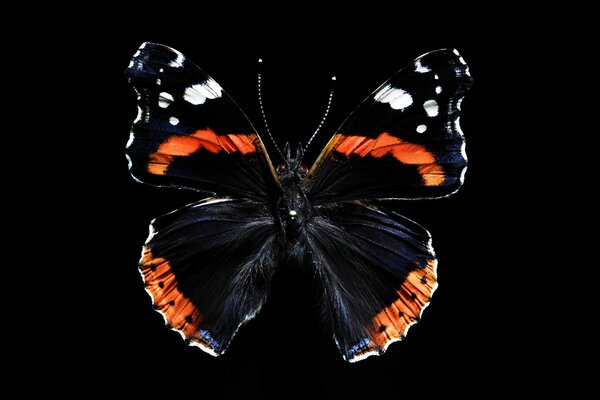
189	133
404	141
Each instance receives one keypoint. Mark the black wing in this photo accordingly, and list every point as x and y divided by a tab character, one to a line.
377	270
403	141
208	268
190	133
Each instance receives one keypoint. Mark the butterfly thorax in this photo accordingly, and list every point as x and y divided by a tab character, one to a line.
293	206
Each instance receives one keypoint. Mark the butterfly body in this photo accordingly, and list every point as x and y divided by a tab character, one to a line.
293	207
208	266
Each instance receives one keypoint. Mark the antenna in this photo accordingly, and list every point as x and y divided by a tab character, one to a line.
333	80
262	109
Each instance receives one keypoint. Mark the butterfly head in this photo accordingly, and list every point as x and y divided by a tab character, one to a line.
292	168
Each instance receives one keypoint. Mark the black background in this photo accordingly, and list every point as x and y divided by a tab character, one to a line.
471	329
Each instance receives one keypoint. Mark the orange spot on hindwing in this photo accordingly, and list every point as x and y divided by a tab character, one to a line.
413	295
406	153
161	283
206	139
393	322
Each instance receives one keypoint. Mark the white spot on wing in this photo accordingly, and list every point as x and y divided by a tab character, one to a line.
164	100
363	356
151	234
382	92
215	87
457	126
143	114
436	76
420	68
202	347
462	175
210	200
178	61
139	115
161	70
174	121
421	128
130	140
438	89
456	52
398	99
130	64
431	108
462	60
137	53
199	93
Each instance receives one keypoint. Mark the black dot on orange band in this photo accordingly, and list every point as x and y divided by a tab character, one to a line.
423	280
161	284
400	314
382	328
413	296
188	319
172	303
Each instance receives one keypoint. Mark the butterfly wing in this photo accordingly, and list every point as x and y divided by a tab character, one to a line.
377	270
189	133
403	141
208	267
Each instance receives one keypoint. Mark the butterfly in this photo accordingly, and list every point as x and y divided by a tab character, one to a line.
208	266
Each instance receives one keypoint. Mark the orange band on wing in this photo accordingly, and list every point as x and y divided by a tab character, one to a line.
392	323
161	283
185	145
406	153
